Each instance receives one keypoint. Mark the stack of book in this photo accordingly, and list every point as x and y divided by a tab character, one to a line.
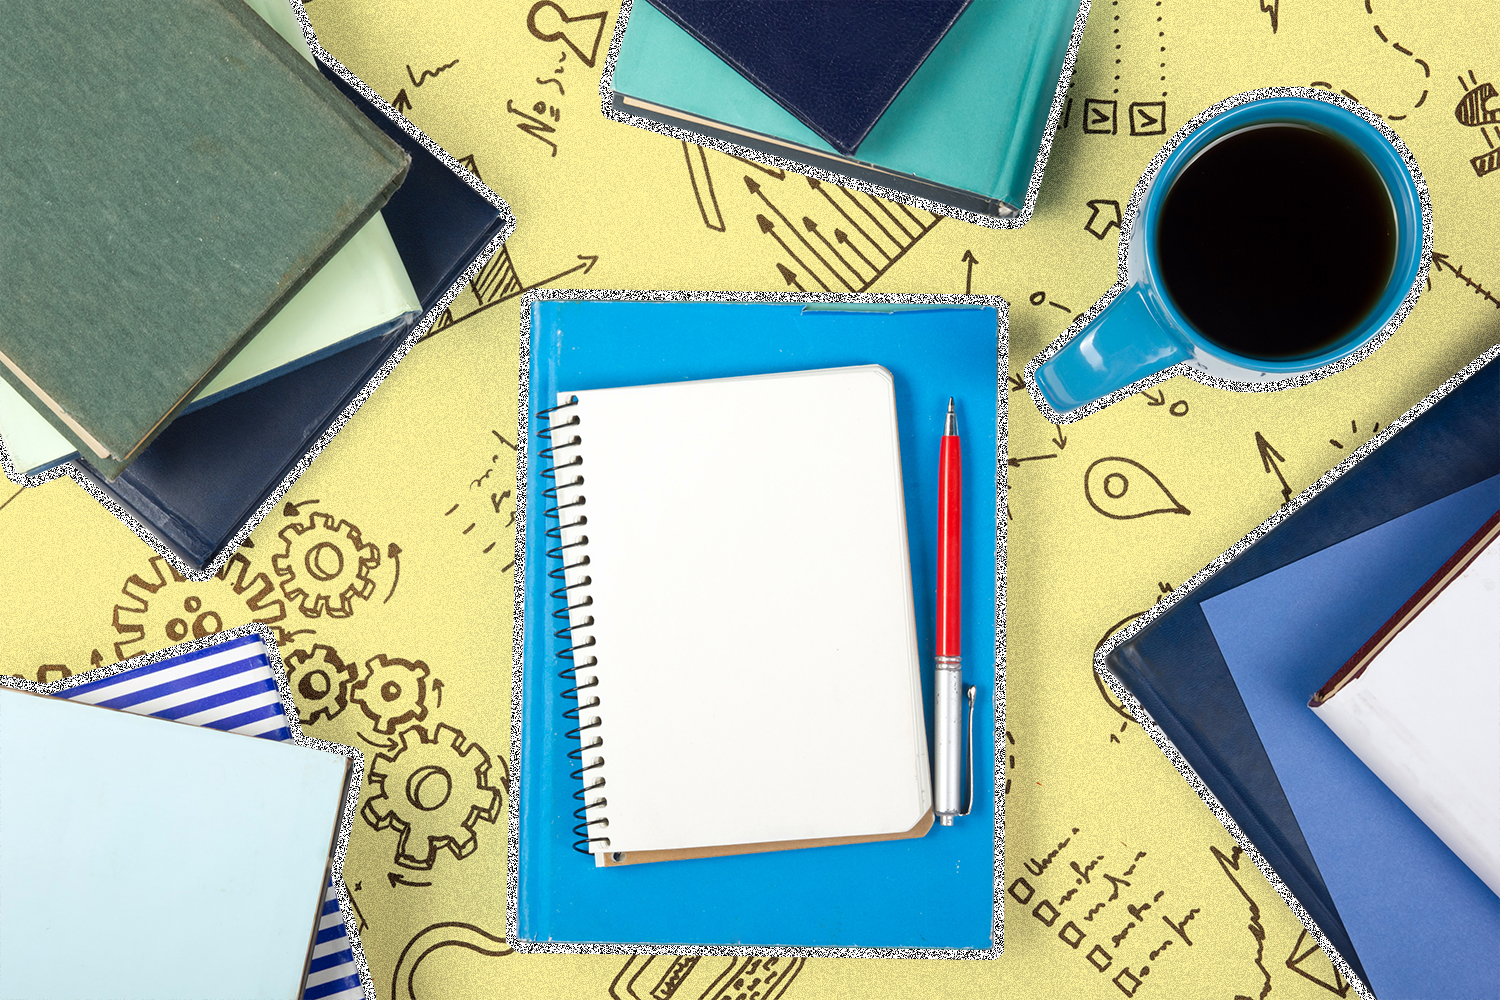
885	95
199	298
1332	690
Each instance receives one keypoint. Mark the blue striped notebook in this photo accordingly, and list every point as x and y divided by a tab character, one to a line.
230	687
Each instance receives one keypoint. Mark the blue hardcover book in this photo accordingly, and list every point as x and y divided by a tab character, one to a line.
201	482
932	893
1227	672
836	65
965	131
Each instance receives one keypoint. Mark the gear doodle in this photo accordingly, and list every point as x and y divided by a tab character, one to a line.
320	681
393	691
325	566
433	792
162	608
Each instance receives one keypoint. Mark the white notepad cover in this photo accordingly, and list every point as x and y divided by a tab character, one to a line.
750	599
142	858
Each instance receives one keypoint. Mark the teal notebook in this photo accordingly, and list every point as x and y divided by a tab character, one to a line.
965	131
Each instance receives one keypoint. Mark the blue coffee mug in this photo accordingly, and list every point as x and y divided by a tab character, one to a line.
1138	331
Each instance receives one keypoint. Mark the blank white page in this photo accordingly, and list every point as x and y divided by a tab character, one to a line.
751	596
1425	715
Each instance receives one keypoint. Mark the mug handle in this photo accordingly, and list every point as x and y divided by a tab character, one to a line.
1123	344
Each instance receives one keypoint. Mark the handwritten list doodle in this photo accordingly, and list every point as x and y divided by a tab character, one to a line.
387	576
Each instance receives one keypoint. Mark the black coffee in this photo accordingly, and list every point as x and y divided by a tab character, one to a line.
1277	241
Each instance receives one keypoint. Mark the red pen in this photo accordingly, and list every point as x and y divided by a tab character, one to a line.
948	686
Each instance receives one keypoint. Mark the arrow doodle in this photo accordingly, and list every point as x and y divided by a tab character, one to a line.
838	234
1267	453
393	552
755	189
396	880
971	260
295	509
769	228
498	282
1440	261
870	237
1015	463
789	276
1061	440
1106	208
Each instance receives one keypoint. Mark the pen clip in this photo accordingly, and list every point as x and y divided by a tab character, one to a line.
969	766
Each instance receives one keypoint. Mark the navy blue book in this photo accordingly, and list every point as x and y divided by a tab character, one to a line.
1227	671
204	478
834	64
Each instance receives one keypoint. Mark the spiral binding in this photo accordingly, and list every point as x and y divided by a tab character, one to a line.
569	673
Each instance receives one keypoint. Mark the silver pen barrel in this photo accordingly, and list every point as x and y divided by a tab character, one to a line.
947	745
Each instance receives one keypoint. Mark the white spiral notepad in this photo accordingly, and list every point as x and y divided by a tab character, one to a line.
739	592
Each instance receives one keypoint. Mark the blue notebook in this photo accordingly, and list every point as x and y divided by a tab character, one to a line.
1229	708
935	892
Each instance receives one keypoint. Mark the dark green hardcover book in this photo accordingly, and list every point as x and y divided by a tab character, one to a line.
171	174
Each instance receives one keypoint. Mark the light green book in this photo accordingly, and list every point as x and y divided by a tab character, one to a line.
965	131
358	293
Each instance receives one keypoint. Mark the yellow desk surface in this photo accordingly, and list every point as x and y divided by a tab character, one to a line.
407	516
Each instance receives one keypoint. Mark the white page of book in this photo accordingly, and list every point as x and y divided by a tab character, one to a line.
753	623
1425	715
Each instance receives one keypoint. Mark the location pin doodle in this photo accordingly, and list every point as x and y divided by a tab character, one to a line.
545	14
1123	489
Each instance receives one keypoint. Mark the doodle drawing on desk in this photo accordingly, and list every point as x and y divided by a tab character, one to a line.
446	934
498	282
879	233
1122	489
433	792
548	22
1473	110
663	977
473	509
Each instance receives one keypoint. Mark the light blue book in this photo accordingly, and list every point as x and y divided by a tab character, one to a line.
227	687
966	131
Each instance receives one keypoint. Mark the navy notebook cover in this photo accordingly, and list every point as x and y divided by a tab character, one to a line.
210	470
1176	670
835	64
934	892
